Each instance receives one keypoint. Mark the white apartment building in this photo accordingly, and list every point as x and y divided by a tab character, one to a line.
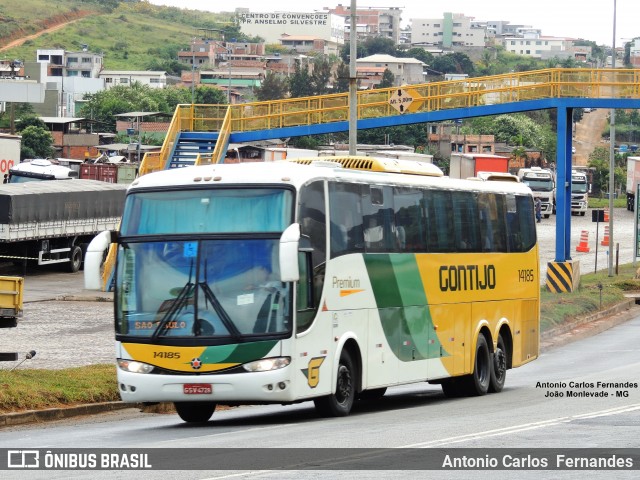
453	30
272	25
537	46
69	76
405	70
371	21
154	79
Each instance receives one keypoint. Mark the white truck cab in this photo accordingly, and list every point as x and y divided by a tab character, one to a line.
37	170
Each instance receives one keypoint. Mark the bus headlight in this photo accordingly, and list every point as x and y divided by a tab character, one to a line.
134	367
267	364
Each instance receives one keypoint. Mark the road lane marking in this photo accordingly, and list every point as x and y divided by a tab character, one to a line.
523	427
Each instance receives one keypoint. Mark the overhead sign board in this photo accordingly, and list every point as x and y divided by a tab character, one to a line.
400	99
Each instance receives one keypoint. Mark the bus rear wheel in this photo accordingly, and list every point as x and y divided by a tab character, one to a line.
339	404
498	367
195	412
477	383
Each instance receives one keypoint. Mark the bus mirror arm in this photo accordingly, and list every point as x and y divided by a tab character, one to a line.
289	241
93	259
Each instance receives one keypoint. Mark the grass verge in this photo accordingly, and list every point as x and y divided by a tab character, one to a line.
39	389
24	389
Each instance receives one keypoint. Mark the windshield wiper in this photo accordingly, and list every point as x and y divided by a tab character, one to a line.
209	296
178	304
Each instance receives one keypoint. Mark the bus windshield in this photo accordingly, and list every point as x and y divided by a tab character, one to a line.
221	281
204	288
202	211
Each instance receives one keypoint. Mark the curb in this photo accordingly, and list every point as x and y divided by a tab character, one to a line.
36	416
74	298
49	414
589	325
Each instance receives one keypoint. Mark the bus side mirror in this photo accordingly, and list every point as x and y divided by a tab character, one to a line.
93	259
289	271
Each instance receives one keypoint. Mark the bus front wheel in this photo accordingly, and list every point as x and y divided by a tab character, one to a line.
195	412
498	367
339	403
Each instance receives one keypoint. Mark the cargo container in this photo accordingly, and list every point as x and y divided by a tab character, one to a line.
53	222
467	165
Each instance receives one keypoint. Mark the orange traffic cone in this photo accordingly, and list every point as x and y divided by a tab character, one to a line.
606	214
605	240
583	246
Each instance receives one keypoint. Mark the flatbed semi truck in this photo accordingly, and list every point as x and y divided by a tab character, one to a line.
53	222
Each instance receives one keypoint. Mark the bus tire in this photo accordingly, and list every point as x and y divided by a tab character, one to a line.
339	404
498	367
75	259
195	412
477	383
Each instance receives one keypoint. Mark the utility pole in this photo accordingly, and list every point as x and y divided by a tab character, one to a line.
353	84
612	141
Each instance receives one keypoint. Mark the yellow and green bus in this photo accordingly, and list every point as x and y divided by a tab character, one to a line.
321	280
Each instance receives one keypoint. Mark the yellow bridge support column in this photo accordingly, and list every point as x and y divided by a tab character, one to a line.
563	276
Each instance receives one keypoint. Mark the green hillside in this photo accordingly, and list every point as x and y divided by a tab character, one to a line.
133	35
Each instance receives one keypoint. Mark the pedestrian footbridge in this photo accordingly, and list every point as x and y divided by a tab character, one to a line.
200	134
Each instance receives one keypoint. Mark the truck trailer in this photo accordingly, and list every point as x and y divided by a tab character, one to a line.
53	222
468	165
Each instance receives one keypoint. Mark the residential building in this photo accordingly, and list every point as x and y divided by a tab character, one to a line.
405	70
73	137
308	44
519	157
153	79
445	138
371	21
534	45
68	76
453	30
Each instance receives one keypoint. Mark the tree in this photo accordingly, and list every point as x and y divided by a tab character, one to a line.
28	121
419	54
274	87
341	79
103	105
388	80
208	95
300	81
321	76
453	63
37	142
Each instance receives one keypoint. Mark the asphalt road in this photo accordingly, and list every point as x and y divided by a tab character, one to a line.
538	408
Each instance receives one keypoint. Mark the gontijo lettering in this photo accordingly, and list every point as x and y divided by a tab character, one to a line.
454	278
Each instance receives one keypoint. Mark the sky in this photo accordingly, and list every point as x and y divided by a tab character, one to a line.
588	19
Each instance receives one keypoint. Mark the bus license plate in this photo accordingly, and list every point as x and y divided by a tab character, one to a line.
197	389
